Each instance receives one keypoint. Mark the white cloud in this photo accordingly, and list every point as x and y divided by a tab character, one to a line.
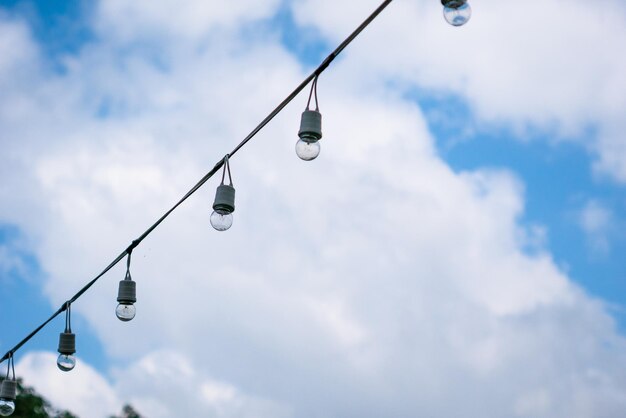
374	281
130	20
151	382
83	391
147	384
597	222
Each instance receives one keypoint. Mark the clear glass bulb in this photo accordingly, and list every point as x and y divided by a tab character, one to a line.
221	220
307	150
457	16
66	362
125	311
7	407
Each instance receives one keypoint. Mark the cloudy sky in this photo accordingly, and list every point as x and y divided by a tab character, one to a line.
456	250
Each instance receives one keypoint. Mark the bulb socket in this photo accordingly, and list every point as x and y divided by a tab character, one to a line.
310	126
8	390
453	4
67	343
224	199
127	292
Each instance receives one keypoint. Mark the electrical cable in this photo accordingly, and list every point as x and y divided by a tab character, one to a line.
313	76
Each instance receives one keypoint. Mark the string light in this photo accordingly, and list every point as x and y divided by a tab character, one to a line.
126	295
308	146
456	12
67	343
8	390
224	204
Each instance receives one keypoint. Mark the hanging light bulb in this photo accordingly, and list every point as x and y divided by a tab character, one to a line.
224	204
66	360
223	207
308	146
8	391
456	12
67	344
126	295
126	310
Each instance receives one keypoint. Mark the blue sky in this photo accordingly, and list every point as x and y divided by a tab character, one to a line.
559	180
574	205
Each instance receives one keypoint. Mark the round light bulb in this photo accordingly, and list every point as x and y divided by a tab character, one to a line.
221	220
459	15
66	362
125	311
307	149
7	407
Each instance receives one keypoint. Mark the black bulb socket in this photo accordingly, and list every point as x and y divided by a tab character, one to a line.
8	390
310	126
224	199
453	4
127	292
67	343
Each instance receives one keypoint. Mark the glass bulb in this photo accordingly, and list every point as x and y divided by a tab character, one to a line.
307	150
66	362
457	16
125	311
7	407
221	220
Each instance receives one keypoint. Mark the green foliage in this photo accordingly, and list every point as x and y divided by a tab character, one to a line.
128	412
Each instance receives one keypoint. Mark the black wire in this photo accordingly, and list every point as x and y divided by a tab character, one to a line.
10	367
317	103
127	277
230	176
68	317
313	88
226	167
130	253
313	76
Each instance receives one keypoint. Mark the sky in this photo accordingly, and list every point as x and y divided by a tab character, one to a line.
455	250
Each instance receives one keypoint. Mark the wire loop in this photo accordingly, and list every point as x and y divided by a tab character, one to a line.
227	167
10	365
127	276
313	93
68	317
